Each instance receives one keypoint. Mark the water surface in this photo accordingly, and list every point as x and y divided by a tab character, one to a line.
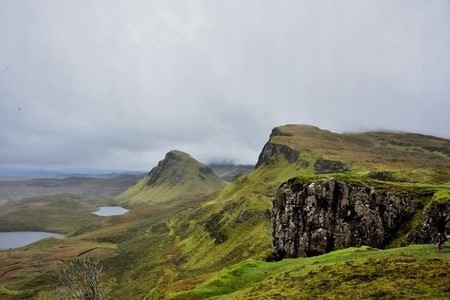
17	239
106	211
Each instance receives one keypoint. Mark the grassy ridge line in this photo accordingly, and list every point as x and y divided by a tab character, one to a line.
417	158
352	272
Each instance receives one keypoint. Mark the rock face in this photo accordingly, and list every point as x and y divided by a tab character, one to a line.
426	229
312	218
329	166
271	151
382	175
172	169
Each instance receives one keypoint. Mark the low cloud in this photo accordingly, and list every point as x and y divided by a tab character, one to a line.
95	83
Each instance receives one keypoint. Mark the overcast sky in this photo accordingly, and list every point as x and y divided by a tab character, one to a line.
116	84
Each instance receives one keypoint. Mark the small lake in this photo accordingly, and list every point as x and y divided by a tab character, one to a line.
106	211
17	239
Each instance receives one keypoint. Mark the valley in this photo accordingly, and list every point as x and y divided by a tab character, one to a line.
189	234
12	189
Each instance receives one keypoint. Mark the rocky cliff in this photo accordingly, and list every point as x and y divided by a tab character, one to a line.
312	218
425	230
272	151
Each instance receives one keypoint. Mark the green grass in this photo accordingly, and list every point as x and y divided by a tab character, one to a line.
414	271
176	177
251	239
141	193
178	241
443	193
412	157
64	213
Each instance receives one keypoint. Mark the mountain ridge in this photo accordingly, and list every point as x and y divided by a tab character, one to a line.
175	244
416	157
177	175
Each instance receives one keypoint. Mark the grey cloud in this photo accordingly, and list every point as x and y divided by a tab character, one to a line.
101	83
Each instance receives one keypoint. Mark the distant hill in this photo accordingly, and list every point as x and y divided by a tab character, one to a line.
229	171
11	172
178	175
113	185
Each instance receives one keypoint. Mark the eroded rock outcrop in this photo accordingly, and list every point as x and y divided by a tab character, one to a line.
330	166
426	229
271	152
311	218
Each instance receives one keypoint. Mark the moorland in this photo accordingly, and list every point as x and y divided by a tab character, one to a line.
191	234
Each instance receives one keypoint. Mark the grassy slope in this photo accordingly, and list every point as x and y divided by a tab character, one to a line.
191	181
132	247
412	157
417	271
169	248
25	270
140	237
64	213
165	244
250	196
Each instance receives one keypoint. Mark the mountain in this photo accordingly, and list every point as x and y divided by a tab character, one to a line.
387	190
177	176
395	156
394	183
219	247
229	171
312	191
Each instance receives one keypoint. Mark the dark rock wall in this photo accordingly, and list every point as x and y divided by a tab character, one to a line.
425	231
330	166
272	151
311	218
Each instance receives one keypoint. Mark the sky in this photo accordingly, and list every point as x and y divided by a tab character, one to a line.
117	84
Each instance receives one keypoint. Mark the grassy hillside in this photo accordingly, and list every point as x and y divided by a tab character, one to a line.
204	247
235	226
64	213
177	176
181	249
417	271
409	157
29	271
